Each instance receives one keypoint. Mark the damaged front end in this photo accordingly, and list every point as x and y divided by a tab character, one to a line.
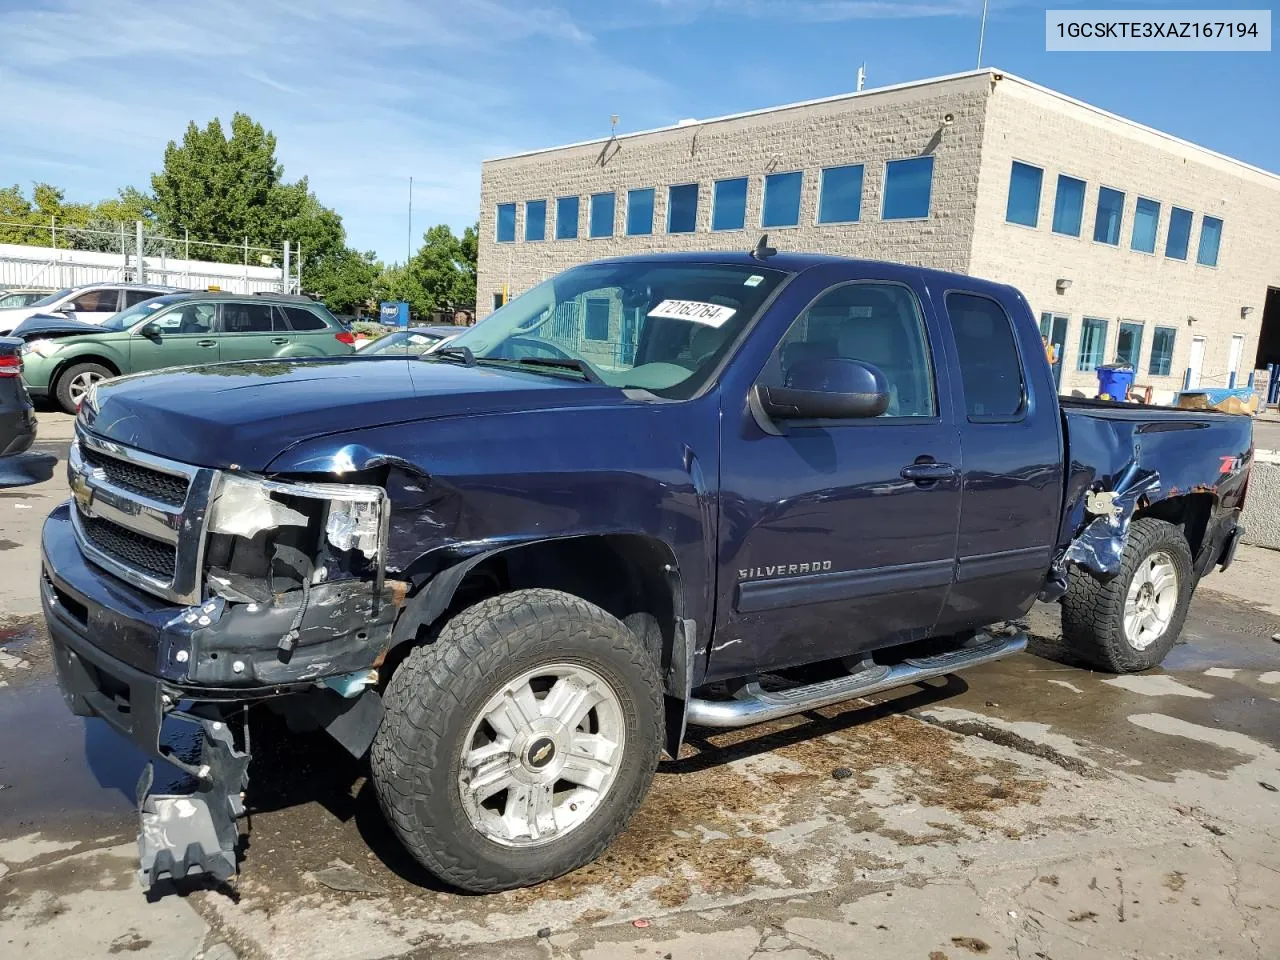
294	607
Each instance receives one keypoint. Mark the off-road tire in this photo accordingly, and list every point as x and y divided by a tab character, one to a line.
432	698
62	389
1093	608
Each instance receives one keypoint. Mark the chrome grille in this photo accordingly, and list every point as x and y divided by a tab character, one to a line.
164	487
139	516
131	548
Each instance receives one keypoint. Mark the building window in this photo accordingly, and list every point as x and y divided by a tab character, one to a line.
499	299
840	195
506	223
602	214
535	220
1093	341
1210	238
1179	239
1068	206
1106	224
597	325
1129	344
640	212
1162	351
567	218
682	208
1024	194
907	188
782	199
1146	221
729	204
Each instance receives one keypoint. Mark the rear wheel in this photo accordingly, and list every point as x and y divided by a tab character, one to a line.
74	383
517	746
1129	622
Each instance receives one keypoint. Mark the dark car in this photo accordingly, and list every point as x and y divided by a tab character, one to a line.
17	416
706	489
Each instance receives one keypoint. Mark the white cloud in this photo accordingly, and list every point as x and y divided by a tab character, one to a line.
361	96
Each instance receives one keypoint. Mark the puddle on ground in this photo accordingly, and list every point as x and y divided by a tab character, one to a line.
67	776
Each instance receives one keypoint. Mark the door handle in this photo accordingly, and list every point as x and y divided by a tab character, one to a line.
206	343
279	341
928	472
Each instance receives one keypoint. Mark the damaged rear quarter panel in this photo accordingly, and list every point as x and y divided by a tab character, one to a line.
1152	455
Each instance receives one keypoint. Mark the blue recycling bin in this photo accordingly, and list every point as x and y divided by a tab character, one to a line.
1114	380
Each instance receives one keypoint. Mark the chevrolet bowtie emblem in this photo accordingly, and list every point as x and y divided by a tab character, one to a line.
541	753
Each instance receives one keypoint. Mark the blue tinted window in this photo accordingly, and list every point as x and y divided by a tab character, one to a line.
840	199
602	214
597	320
1162	351
1106	225
1024	194
535	220
1093	342
567	218
1175	247
1210	238
1129	344
1068	206
506	223
907	186
1146	220
682	208
782	199
729	204
640	212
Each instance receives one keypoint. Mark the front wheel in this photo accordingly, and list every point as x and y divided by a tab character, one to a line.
1130	622
76	381
517	746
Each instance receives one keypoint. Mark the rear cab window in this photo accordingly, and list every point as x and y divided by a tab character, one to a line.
995	388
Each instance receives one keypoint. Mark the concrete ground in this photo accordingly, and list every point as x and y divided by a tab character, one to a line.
1026	809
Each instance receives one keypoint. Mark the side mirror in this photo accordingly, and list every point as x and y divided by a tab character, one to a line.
834	388
67	311
151	332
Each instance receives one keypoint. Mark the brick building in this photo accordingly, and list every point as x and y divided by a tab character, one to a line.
1128	242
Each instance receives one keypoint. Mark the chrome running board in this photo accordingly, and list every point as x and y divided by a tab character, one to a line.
752	704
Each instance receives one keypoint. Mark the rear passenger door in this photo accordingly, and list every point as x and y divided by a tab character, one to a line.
311	334
94	306
1011	485
250	331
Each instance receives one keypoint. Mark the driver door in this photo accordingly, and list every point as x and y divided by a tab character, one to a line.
833	540
180	336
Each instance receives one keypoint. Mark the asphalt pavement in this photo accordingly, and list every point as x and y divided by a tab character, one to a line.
1029	808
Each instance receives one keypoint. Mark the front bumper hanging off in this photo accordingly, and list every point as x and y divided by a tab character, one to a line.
180	835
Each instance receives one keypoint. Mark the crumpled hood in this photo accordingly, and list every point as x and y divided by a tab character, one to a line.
248	413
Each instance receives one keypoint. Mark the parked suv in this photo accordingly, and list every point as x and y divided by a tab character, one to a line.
91	303
64	359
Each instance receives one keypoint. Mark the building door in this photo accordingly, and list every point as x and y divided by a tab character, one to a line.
1195	362
1054	326
1233	360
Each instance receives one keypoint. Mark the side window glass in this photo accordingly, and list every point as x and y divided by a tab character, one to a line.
189	318
877	323
134	297
246	318
990	368
96	301
301	319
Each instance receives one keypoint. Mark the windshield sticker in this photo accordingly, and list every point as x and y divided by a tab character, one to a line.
417	338
753	281
712	314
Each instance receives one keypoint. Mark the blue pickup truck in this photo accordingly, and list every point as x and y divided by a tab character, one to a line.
704	489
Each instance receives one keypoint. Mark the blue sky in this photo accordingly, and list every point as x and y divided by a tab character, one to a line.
363	95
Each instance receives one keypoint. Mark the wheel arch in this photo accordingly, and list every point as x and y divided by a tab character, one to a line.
1192	513
64	365
633	577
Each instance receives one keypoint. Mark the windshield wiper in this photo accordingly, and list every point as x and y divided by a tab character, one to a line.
566	363
455	353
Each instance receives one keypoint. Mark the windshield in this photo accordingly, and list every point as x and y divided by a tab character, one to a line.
51	299
128	317
402	344
656	325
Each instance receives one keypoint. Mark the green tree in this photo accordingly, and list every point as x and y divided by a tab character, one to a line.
344	280
442	274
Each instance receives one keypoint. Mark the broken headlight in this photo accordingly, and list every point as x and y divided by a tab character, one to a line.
319	520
